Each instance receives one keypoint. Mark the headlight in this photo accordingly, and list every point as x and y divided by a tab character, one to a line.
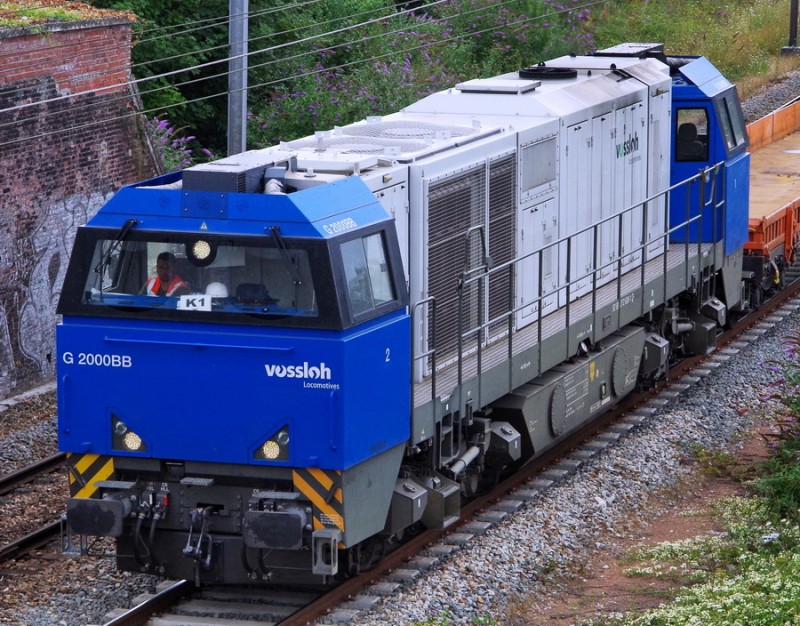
201	252
276	448
132	441
123	438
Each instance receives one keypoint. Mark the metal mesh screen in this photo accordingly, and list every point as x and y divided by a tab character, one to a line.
502	221
538	164
454	205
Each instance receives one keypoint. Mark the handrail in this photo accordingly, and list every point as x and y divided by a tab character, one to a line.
484	321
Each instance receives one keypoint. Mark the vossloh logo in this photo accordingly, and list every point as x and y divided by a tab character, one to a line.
309	374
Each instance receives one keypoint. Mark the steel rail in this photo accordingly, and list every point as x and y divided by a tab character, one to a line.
11	481
29	542
157	603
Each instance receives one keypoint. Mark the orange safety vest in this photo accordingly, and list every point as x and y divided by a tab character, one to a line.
154	285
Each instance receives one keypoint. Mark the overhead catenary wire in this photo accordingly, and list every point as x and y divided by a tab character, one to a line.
218	22
273	35
127	96
300	75
274	48
207	64
263	50
215	61
513	25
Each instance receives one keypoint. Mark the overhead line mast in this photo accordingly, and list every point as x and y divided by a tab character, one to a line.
237	77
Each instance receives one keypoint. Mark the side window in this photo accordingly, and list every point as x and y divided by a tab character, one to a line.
691	136
731	121
369	281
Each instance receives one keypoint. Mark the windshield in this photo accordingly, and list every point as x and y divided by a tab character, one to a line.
200	278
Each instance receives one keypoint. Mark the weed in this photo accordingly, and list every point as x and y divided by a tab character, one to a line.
714	462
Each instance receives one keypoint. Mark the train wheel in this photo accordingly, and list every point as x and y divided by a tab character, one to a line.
364	556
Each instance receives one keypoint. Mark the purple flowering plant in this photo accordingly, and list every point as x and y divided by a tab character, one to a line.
399	60
172	148
780	480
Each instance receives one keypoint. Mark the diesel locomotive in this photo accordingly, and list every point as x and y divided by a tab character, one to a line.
378	321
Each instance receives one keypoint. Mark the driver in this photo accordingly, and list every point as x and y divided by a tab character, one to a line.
166	282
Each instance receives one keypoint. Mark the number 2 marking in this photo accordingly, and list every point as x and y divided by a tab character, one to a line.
388	355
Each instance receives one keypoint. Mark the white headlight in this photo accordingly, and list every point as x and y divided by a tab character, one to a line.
132	441
271	450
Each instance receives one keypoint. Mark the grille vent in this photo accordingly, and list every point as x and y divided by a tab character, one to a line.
502	221
454	206
358	145
423	131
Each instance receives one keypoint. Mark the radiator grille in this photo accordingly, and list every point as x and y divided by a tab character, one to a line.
502	221
454	206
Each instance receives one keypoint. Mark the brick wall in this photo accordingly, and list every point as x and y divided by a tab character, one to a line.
69	138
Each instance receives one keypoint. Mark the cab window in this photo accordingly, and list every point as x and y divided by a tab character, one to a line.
367	273
732	122
691	134
181	276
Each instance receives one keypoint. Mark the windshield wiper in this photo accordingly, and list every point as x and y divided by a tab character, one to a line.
291	268
123	232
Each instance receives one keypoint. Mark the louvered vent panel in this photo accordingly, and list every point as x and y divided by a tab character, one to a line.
502	218
425	131
454	206
538	164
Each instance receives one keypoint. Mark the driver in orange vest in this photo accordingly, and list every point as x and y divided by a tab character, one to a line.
166	282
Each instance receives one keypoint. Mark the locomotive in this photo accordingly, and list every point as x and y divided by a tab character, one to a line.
380	320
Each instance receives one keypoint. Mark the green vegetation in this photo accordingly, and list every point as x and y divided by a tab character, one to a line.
33	13
334	62
751	573
15	15
742	38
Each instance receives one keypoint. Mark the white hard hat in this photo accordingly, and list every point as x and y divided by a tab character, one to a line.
217	290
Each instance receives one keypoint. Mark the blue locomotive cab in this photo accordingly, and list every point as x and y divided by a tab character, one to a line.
272	357
708	130
167	367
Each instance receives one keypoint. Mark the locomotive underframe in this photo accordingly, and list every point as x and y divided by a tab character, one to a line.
234	523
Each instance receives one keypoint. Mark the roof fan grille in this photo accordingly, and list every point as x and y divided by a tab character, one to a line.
544	72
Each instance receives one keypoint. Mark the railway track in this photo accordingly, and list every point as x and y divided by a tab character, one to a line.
175	602
12	481
44	534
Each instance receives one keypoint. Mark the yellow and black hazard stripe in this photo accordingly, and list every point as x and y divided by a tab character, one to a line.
85	470
324	491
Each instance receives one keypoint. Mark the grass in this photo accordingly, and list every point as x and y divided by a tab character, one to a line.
743	39
32	13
